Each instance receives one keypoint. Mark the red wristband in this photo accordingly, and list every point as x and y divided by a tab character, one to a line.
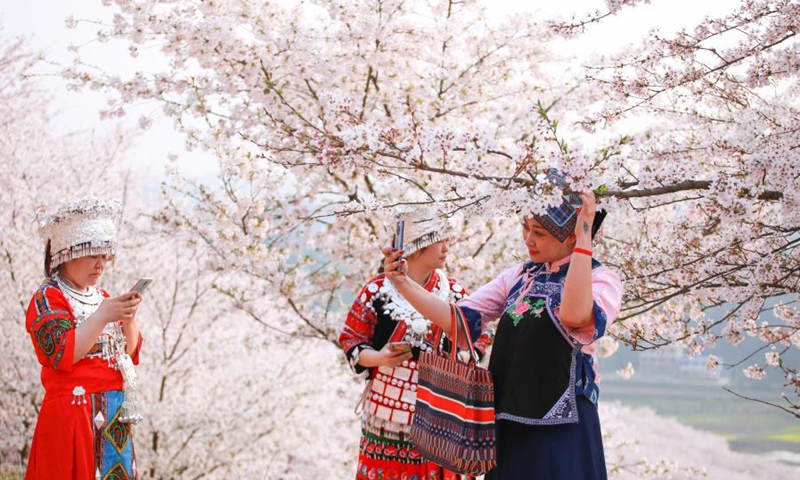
582	250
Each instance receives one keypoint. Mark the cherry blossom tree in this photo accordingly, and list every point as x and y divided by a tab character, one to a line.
32	159
224	398
712	188
330	117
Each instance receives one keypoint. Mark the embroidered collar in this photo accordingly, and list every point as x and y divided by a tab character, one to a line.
556	266
532	268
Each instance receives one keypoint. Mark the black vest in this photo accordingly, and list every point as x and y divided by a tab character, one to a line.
533	364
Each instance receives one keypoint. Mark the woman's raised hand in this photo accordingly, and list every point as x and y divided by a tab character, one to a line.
394	266
583	228
119	308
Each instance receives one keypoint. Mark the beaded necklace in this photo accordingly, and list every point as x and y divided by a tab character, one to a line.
83	302
399	310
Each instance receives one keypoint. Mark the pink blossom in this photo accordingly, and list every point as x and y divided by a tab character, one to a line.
711	364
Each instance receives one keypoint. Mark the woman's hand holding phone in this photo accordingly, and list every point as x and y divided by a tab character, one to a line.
119	308
394	265
385	357
393	354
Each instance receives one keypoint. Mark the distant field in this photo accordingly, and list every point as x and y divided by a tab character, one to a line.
748	426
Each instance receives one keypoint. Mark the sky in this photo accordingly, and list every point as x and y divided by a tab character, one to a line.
43	22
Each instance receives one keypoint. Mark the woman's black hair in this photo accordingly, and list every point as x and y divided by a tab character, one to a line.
599	216
48	259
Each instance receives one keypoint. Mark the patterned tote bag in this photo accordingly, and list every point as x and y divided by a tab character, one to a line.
453	423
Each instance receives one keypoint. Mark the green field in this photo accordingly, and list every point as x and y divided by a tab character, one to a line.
748	426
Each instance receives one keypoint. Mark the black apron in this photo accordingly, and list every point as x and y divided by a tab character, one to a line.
533	364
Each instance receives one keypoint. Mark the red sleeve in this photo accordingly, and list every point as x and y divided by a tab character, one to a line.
51	325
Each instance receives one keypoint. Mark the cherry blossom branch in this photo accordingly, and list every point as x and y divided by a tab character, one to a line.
758	400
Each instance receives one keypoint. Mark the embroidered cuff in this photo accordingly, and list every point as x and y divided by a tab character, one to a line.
600	321
473	318
483	343
588	334
353	356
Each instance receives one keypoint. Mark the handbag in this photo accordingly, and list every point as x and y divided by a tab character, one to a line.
453	422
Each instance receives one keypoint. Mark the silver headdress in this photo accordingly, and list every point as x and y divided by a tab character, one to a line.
80	228
423	228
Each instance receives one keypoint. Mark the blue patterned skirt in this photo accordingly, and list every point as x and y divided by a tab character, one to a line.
572	451
113	440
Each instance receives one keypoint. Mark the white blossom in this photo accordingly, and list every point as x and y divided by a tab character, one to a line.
627	371
755	372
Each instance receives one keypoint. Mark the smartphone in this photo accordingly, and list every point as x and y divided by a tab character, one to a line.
404	347
142	285
398	234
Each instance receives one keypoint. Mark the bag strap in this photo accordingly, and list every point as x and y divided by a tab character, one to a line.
437	340
453	332
457	319
468	334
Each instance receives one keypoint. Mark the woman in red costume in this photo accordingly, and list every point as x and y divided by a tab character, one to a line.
87	343
379	318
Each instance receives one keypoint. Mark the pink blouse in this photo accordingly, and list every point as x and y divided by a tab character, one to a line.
489	300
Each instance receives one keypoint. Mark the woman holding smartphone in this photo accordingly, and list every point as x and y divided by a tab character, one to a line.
551	308
382	338
87	343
